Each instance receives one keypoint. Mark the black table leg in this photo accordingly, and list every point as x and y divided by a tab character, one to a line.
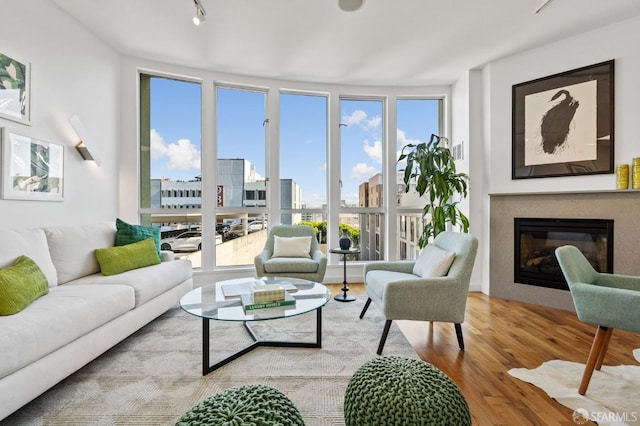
343	297
208	368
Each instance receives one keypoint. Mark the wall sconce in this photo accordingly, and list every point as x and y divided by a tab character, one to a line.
81	146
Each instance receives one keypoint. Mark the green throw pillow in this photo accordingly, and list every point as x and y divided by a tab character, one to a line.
115	260
127	234
20	284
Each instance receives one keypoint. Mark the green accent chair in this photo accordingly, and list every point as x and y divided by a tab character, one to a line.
392	390
401	295
606	300
312	269
258	405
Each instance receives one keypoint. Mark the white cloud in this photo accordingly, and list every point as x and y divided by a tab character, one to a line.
180	156
374	122
323	167
159	147
315	200
356	117
359	118
402	142
183	156
362	172
374	151
351	198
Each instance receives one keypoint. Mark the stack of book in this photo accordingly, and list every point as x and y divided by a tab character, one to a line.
266	296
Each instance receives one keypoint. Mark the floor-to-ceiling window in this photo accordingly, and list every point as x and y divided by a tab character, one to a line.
260	164
241	178
303	160
170	162
361	174
416	119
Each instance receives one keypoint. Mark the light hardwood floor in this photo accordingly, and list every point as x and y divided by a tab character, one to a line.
499	335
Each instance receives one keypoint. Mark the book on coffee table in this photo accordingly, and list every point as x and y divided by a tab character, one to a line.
249	304
231	291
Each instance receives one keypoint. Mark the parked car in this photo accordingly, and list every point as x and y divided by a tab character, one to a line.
186	242
222	229
236	230
256	225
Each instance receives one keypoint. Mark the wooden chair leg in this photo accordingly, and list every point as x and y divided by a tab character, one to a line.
383	339
594	355
459	335
366	306
605	346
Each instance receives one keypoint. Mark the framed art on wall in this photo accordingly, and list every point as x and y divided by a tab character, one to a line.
562	125
31	169
15	89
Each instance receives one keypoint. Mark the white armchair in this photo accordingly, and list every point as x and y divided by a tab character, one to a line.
402	295
310	266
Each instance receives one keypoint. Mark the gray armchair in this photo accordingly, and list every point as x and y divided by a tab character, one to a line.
312	268
401	295
606	300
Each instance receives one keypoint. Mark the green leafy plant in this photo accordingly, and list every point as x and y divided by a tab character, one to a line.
431	167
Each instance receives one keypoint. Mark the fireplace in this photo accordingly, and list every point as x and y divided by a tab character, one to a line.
537	239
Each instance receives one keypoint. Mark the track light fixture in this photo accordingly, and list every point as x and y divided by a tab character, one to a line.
200	15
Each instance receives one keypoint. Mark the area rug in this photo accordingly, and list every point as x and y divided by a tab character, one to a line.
154	376
611	399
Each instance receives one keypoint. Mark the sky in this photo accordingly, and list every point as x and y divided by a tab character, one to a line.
241	133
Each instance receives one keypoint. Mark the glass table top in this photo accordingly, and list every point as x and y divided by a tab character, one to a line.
221	300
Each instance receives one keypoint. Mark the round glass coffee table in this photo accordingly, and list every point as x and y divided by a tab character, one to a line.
221	301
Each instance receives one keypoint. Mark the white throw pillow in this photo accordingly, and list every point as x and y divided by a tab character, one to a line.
72	247
31	243
291	246
433	262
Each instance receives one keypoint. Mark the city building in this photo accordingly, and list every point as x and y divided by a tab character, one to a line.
238	186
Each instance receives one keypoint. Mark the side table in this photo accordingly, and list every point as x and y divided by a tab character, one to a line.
343	297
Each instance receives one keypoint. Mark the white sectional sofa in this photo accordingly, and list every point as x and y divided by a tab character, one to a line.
84	313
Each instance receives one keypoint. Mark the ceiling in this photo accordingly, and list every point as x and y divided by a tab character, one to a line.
386	42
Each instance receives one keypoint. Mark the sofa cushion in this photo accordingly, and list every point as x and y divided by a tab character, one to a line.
433	262
56	319
115	260
31	243
127	234
280	265
148	282
291	246
20	284
72	248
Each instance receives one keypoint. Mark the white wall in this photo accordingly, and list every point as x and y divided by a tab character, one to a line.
460	110
618	42
467	113
72	73
493	162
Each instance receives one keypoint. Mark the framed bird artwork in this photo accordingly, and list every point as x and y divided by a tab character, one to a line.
563	124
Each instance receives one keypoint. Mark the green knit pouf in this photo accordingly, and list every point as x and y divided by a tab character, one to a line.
255	405
393	390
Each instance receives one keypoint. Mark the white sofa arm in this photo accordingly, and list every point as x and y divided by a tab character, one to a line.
167	255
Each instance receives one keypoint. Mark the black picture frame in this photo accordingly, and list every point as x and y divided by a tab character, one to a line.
563	124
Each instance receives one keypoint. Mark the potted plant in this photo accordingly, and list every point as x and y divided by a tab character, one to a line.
431	167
